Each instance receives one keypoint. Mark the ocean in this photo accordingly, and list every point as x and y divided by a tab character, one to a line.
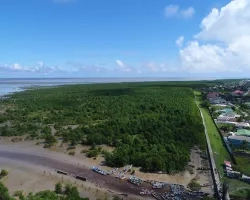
10	85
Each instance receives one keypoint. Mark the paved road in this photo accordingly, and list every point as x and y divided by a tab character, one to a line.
211	155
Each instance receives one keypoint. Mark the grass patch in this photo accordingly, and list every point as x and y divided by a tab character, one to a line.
235	185
245	193
219	151
243	164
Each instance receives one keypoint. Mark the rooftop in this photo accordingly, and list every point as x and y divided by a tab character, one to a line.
242	132
227	110
238	92
241	138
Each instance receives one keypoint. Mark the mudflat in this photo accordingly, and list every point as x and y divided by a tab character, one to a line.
28	157
44	163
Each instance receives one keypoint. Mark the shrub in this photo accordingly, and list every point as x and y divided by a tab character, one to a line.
71	148
193	185
3	173
92	153
19	194
58	188
84	151
72	153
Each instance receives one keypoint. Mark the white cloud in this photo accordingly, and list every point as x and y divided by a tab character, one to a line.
171	10
188	13
120	63
228	23
222	45
179	41
123	67
175	11
17	66
40	67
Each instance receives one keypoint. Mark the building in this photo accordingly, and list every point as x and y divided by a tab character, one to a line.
229	116
245	178
238	140
212	95
217	100
227	164
233	174
242	125
242	132
214	98
237	93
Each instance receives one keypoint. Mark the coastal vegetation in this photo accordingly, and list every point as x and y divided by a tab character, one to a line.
3	173
194	185
151	125
69	193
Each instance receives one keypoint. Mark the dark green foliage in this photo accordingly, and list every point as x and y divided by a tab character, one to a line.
44	195
58	188
193	185
19	194
152	125
4	195
94	151
117	198
205	104
71	193
243	163
3	173
49	140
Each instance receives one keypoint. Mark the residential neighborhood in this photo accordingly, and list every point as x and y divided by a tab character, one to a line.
229	107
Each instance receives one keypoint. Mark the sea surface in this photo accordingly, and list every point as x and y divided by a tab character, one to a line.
10	85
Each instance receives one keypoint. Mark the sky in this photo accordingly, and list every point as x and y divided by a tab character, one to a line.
124	38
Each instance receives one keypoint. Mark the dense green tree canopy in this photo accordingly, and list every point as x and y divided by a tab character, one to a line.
151	125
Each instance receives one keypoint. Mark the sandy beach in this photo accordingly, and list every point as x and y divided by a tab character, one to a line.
25	158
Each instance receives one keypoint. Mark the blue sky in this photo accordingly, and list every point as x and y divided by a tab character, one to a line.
112	38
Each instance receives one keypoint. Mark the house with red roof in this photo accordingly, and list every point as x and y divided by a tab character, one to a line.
237	93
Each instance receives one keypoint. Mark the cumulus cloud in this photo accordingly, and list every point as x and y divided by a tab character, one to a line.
179	41
40	67
175	11
222	45
188	12
123	67
171	10
87	68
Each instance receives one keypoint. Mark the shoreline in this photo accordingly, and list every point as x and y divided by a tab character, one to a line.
48	82
49	162
27	152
